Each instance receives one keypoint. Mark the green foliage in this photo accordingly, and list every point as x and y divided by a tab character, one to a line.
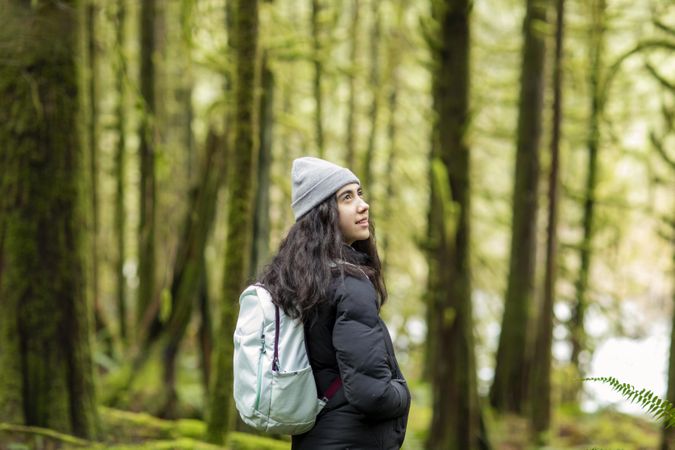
662	410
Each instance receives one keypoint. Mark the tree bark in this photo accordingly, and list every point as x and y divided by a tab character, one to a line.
668	434
455	423
540	413
393	56
374	81
577	330
189	265
46	369
318	74
261	226
120	169
92	141
509	388
146	232
350	159
240	214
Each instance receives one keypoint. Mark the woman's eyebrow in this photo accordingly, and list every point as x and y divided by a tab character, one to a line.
348	191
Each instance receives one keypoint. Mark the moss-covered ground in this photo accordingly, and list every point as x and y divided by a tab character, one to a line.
123	430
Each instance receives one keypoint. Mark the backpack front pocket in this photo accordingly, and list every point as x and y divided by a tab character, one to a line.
293	399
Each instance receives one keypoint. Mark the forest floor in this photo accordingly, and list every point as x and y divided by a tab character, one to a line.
123	430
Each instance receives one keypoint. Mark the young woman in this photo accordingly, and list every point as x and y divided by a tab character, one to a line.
327	272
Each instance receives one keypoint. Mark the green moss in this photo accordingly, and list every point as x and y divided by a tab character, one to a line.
20	436
182	443
124	426
191	428
127	429
243	441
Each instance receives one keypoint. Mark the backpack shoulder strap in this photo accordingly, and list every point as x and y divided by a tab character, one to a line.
266	302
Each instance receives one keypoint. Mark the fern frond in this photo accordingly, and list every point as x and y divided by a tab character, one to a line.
662	410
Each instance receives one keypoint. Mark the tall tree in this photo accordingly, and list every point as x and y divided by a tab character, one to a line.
146	232
596	50
120	167
317	56
375	89
540	411
455	423
92	141
46	376
668	434
240	212
393	69
350	159
189	265
508	391
261	223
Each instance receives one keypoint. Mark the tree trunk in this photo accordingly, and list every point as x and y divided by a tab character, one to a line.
46	370
205	332
577	331
540	413
455	423
668	434
146	232
374	81
393	57
92	141
240	214
350	159
120	169
508	391
189	264
318	73
261	226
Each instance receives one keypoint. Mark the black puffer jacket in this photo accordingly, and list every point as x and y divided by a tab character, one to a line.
348	338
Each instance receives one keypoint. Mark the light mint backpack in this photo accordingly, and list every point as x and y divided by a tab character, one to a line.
274	388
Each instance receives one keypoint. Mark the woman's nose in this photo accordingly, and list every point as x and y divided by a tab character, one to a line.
363	206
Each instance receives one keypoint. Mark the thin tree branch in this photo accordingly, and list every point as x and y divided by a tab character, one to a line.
660	78
658	145
662	26
641	46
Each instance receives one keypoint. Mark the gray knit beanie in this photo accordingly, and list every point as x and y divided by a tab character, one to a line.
314	180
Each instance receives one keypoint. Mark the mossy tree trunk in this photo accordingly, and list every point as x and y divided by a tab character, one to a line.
46	376
540	412
577	329
261	225
120	168
509	387
668	434
350	144
241	187
455	423
92	141
375	90
392	70
318	74
146	231
189	265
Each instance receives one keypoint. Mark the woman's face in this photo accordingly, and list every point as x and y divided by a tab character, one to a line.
353	213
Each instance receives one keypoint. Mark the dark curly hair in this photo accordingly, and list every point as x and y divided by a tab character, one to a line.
312	255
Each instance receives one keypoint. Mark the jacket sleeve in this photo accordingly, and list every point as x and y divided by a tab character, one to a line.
359	341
